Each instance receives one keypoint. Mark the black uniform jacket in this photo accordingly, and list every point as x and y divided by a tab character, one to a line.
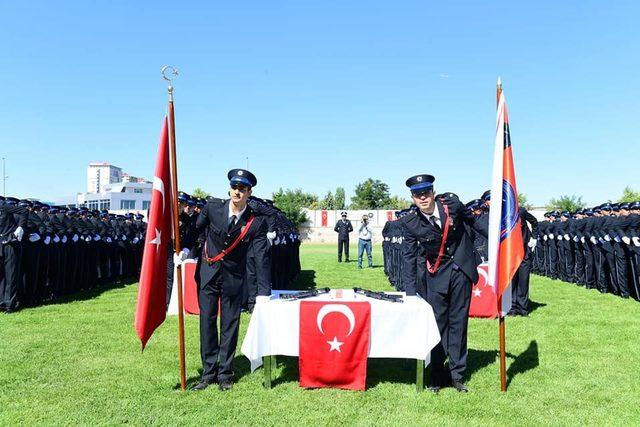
213	221
343	228
422	242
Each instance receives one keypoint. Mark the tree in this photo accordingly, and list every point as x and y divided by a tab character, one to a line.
566	203
339	198
629	195
328	202
200	193
397	203
371	194
291	203
522	201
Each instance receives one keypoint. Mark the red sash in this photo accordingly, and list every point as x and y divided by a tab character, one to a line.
231	247
445	233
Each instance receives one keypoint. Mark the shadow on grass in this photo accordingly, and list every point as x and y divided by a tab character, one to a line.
534	305
241	368
306	280
86	294
523	362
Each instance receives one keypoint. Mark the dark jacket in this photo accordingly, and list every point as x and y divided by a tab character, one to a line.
343	228
213	221
422	242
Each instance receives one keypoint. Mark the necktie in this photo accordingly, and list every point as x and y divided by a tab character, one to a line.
435	223
231	222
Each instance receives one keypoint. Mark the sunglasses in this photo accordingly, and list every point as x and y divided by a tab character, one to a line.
239	187
424	193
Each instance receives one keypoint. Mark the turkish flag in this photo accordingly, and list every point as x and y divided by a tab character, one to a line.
483	297
334	344
152	291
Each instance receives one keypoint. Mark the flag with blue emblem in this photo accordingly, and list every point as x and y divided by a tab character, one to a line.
506	249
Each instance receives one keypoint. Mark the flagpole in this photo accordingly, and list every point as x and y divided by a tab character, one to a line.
502	333
175	215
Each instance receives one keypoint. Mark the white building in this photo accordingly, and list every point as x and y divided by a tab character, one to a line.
101	174
110	188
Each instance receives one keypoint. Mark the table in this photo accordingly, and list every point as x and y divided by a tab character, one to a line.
405	330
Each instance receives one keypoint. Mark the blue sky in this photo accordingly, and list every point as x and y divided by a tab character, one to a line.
324	94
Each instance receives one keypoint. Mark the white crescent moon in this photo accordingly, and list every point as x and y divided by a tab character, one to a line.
484	274
159	185
336	308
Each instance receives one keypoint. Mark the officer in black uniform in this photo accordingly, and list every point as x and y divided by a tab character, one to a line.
442	273
221	273
520	281
13	220
343	228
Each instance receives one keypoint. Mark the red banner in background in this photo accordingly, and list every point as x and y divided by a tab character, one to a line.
325	218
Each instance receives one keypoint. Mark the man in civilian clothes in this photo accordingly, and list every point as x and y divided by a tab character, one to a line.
230	231
442	272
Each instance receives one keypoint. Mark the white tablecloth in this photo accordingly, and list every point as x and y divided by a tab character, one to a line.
405	330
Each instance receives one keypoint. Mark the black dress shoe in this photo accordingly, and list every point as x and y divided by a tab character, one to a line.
459	385
225	385
202	385
435	389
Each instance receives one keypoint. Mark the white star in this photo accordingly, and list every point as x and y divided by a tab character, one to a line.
335	344
157	240
477	292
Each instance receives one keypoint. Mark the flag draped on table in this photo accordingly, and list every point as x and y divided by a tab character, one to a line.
334	344
152	291
506	249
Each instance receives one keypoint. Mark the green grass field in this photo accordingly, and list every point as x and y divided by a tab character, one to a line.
575	360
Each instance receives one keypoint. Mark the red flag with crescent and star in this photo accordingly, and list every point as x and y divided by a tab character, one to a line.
151	306
334	344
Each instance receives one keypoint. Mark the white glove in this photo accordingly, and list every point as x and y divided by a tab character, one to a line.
124	238
96	238
47	240
56	239
19	233
607	237
75	238
566	237
270	236
87	239
179	258
551	236
601	240
582	239
636	241
575	239
109	240
592	240
34	237
532	243
617	239
544	237
260	299
626	239
64	239
135	240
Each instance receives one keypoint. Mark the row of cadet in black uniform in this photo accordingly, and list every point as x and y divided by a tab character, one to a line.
50	251
284	245
598	248
478	209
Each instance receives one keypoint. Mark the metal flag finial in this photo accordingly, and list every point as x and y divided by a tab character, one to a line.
173	73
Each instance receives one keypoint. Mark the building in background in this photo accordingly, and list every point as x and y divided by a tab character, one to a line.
108	187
